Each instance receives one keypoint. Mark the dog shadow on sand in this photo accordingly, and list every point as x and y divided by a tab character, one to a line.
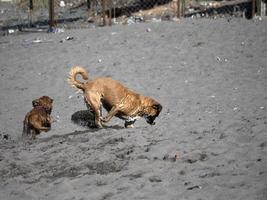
83	118
86	118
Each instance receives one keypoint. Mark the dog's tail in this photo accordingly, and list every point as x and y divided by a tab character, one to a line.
72	76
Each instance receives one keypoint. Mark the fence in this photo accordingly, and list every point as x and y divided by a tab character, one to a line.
170	9
28	13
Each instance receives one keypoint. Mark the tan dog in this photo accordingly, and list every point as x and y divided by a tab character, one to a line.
118	100
38	119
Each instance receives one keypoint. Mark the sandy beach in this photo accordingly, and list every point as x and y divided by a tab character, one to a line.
209	142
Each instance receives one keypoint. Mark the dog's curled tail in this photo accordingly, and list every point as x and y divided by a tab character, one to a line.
72	76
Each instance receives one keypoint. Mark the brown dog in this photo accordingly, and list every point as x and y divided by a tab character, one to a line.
38	119
118	100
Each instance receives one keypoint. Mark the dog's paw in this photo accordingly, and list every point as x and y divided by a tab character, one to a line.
98	124
129	126
103	119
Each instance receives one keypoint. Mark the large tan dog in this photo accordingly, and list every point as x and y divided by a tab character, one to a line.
38	119
118	100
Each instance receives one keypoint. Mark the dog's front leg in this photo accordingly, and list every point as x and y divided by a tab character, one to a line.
34	132
129	124
114	110
51	119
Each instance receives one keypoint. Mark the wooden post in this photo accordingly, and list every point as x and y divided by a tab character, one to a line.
88	9
30	12
183	8
258	5
253	8
103	4
262	8
114	11
178	9
110	12
51	14
88	4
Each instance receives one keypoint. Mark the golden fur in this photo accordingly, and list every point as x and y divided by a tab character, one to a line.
118	100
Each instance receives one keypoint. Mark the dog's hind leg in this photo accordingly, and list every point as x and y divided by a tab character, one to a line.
26	130
97	118
34	132
114	110
40	127
93	100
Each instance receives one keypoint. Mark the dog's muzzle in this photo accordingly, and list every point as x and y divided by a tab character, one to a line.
150	120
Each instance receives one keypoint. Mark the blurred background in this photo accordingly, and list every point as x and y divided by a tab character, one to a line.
18	15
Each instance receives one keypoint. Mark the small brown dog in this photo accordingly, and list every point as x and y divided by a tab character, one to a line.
118	100
38	119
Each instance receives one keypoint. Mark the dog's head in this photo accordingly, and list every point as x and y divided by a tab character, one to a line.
151	111
44	102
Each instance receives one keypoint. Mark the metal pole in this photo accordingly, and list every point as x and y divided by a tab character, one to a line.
51	14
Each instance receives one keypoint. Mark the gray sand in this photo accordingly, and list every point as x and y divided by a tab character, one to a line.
209	142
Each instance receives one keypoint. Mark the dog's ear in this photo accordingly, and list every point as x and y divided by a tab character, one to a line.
50	100
158	107
35	102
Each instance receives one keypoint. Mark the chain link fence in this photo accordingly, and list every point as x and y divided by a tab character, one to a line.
171	9
85	13
236	8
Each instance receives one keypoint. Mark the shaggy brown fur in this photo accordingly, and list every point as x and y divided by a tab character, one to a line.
118	100
38	119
